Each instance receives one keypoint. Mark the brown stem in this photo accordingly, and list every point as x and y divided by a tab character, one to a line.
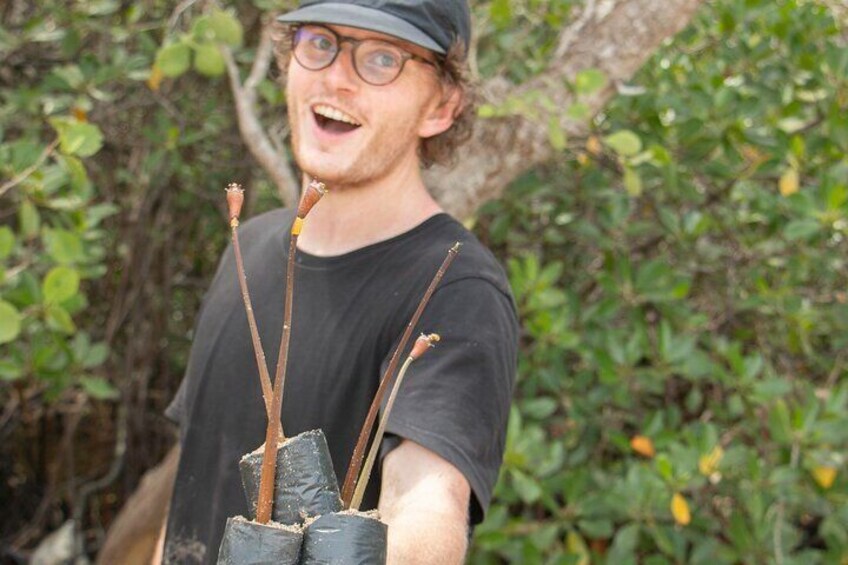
421	345
365	433
264	376
272	439
264	504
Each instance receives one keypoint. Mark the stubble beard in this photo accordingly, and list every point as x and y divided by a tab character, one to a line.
382	154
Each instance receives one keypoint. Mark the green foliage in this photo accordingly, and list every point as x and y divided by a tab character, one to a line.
680	274
682	288
53	241
209	33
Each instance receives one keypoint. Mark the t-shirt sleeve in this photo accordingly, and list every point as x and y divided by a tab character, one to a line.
175	411
455	399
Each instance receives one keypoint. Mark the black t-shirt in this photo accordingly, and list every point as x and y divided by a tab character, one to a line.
349	312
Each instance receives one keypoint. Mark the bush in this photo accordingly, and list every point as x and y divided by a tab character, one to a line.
681	277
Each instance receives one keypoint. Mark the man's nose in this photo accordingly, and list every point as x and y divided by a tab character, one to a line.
341	74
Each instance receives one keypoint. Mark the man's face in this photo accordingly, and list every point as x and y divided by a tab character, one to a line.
347	132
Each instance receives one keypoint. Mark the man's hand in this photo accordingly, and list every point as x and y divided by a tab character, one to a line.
424	500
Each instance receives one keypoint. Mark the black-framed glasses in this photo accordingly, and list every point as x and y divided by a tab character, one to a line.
377	62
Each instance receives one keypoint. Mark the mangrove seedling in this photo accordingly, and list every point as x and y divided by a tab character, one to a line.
264	504
235	199
422	344
359	450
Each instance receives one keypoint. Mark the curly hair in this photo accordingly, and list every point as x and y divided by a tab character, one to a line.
453	72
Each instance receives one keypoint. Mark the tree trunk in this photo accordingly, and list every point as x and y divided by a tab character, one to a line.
613	36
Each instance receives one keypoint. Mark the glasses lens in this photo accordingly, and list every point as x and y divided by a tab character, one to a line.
315	47
378	62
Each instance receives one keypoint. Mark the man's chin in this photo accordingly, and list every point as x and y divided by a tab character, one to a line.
326	172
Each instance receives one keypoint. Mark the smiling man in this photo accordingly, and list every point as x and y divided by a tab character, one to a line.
376	90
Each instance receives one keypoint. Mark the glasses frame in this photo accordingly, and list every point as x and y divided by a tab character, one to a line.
355	43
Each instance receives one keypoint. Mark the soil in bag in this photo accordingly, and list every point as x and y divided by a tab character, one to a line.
252	543
345	538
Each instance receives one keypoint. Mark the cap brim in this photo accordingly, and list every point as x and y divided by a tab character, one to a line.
361	17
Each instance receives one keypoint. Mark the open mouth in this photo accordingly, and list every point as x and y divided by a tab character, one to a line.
333	120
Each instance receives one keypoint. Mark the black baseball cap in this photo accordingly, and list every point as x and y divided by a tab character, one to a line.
432	24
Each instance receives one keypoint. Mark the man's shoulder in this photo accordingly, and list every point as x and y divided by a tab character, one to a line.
474	260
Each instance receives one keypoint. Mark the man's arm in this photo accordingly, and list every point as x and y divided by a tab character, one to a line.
138	530
424	500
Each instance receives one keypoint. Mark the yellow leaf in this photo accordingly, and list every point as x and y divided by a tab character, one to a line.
576	546
155	78
708	464
643	446
824	476
593	145
789	182
680	509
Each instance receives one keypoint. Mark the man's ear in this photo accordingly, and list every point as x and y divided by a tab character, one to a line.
441	116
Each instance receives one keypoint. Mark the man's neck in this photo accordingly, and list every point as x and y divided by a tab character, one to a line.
350	218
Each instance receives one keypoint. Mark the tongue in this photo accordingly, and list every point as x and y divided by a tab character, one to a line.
336	126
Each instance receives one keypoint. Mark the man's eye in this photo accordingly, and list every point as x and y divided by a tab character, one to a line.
322	43
385	59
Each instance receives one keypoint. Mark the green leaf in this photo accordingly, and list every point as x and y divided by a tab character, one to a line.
624	142
589	81
77	138
10	369
556	135
59	319
578	111
540	408
226	28
624	545
201	31
7	241
78	175
526	487
63	245
208	60
60	284
99	388
487	111
664	466
71	75
96	356
837	196
501	13
779	422
95	214
173	59
29	218
596	529
10	322
632	182
801	229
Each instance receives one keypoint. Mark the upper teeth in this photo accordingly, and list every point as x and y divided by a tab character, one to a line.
334	114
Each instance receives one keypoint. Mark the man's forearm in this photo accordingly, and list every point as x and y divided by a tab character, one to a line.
425	539
424	501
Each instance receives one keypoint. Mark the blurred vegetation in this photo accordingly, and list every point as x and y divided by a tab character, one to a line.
681	276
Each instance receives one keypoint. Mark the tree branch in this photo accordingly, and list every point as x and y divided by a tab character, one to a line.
275	163
29	170
614	36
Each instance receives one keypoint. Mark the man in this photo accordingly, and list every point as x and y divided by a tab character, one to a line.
375	90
